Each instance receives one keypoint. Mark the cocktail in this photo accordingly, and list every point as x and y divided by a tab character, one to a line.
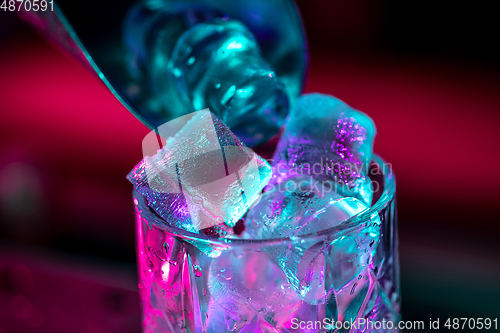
244	289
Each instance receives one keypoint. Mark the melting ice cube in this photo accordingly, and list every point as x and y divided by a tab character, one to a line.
327	139
203	176
303	206
299	206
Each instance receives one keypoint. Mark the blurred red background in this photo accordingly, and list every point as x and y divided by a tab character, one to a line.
427	74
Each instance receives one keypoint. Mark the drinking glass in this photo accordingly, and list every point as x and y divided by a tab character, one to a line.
349	273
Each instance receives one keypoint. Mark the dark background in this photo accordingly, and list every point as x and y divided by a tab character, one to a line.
426	72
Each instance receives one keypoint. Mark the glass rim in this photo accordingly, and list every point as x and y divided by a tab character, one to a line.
352	223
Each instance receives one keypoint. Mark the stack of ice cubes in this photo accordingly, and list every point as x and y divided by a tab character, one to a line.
205	178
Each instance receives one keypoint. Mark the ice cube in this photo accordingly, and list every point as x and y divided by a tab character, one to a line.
302	206
327	139
299	206
203	177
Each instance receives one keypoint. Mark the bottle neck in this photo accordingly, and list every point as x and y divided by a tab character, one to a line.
195	57
218	65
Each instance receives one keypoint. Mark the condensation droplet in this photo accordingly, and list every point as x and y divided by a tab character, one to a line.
197	271
204	292
354	288
159	255
197	200
166	247
220	220
251	177
217	86
191	61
